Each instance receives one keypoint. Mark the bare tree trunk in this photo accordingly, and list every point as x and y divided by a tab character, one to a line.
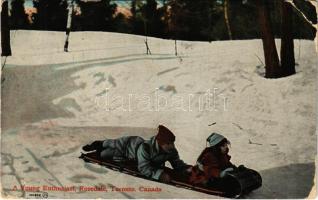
270	53
146	40
226	18
69	24
287	55
316	38
175	47
133	8
5	30
316	25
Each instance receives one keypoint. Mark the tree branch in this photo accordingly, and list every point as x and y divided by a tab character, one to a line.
302	14
313	3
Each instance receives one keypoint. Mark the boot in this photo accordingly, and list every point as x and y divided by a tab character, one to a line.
95	146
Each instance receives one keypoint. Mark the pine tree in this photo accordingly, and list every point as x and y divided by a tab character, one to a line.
152	17
51	14
18	17
97	16
191	20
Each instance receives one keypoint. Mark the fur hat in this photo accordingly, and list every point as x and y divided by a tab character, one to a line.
164	135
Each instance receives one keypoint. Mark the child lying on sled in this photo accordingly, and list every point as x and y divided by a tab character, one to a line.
214	161
150	155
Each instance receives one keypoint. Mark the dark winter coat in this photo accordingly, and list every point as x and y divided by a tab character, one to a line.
209	166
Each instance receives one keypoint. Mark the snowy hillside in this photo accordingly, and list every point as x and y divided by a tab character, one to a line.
105	86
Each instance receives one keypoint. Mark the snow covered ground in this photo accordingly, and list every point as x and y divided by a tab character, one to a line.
106	86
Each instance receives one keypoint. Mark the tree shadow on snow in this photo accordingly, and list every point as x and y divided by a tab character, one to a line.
29	90
293	181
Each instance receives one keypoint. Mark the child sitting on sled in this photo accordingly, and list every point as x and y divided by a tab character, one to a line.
214	161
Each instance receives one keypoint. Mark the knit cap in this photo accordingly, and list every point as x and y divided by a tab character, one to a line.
215	139
164	135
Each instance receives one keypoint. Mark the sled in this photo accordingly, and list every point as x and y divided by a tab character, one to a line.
235	185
